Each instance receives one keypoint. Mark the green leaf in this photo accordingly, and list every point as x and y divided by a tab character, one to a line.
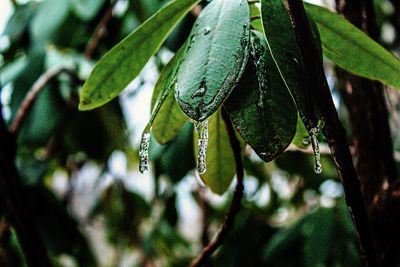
301	135
352	50
19	21
167	118
216	58
286	53
316	250
42	28
220	160
261	107
86	9
124	62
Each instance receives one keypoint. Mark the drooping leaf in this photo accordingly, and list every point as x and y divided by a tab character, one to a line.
220	160
124	62
286	53
86	9
215	59
261	107
352	50
167	118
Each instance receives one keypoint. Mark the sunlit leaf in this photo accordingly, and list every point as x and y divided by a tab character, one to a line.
216	58
124	62
353	50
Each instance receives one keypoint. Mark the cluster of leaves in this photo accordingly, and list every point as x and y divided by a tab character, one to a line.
254	71
239	57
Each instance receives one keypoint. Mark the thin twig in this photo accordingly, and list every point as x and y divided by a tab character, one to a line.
32	94
334	131
236	202
99	32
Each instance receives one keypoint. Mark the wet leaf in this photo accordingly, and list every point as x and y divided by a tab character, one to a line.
124	62
167	118
220	160
352	50
261	107
286	53
216	58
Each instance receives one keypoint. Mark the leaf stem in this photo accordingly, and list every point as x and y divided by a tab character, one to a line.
334	131
234	209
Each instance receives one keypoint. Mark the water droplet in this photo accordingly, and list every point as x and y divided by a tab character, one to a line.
317	154
207	30
202	143
144	152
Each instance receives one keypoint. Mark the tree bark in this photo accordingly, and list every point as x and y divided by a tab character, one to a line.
333	130
369	118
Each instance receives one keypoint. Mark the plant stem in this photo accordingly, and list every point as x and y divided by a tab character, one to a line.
334	131
236	202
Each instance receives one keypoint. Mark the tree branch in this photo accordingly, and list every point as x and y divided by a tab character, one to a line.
99	32
236	202
32	94
334	131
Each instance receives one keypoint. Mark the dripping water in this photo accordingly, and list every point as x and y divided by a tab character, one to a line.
317	154
144	152
202	142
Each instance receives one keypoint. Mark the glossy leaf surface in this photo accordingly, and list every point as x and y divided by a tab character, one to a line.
215	59
261	107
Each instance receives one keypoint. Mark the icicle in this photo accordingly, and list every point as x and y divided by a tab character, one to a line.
144	152
202	142
315	145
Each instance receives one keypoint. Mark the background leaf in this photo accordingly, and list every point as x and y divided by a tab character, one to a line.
352	50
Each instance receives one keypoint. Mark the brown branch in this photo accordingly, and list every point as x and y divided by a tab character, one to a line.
236	202
32	94
334	131
99	32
